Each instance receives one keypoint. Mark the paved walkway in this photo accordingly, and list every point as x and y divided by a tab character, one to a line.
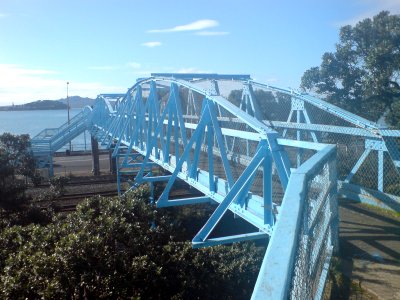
370	249
79	164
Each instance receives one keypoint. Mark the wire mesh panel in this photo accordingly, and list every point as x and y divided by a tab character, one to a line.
368	153
316	235
298	256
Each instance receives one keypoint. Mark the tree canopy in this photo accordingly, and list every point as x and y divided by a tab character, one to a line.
363	74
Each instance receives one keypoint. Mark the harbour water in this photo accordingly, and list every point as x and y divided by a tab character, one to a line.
34	121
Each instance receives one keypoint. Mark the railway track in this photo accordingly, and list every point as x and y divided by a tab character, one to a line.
68	202
78	196
79	188
77	182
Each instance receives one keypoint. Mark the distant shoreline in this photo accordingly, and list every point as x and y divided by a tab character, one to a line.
5	108
74	102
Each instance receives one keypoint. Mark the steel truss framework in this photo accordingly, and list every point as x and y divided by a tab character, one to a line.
231	157
329	121
277	174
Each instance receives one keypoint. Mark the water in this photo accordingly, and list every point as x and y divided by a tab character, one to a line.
34	121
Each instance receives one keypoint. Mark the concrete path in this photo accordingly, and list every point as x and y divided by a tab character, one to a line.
370	249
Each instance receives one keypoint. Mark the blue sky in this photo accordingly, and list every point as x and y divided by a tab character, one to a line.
103	46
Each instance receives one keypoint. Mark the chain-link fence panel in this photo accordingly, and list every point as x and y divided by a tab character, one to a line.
317	234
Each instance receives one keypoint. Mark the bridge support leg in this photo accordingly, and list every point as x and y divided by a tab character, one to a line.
51	167
113	162
95	156
380	170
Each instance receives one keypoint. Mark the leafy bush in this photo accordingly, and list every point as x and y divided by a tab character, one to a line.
16	161
57	184
36	178
108	249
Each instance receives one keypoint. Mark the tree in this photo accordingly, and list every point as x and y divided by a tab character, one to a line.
393	116
363	74
16	162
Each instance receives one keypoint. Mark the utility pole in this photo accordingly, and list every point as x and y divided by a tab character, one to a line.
70	146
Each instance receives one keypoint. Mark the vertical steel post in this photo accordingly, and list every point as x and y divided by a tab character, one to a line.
298	137
267	189
210	142
51	169
95	156
380	170
68	107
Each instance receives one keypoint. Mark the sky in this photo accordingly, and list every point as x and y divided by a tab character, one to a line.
103	46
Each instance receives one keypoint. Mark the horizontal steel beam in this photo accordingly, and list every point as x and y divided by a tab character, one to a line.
156	178
231	239
184	201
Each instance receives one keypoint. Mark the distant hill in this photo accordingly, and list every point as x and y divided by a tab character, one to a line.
74	102
77	102
37	105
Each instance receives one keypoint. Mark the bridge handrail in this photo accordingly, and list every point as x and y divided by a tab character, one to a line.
106	99
43	134
333	109
288	254
223	102
64	136
61	135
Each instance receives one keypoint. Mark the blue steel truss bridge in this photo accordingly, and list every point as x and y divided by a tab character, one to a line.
277	158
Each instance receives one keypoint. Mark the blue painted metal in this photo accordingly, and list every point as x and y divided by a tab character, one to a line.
48	141
378	138
186	201
358	165
236	159
240	184
337	111
369	196
231	239
285	249
267	190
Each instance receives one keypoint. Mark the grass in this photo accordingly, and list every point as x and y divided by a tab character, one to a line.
383	211
380	210
339	286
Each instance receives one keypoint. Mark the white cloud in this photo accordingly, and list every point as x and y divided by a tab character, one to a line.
197	25
134	65
3	15
212	33
152	44
144	73
21	85
374	7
